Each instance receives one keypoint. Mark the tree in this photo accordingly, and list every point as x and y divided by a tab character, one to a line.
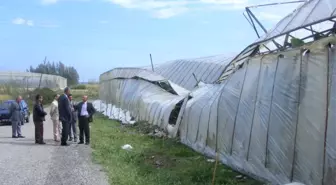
58	68
297	42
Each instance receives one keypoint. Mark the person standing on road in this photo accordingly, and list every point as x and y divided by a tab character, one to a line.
38	118
73	123
65	115
16	118
55	118
85	113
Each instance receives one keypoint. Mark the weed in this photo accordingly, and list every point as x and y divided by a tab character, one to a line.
152	161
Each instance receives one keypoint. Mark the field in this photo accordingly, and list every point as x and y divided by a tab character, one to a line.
6	92
153	161
4	97
91	90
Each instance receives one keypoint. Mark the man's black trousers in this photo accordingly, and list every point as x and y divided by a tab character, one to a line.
84	129
65	132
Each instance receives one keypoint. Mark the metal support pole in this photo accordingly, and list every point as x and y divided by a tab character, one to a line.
150	56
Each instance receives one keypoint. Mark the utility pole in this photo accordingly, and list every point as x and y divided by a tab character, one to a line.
150	56
45	59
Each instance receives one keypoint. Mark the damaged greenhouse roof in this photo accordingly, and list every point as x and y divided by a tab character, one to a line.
311	21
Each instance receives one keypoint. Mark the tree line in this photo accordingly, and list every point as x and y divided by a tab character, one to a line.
57	68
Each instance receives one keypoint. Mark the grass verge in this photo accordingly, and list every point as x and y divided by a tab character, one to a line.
91	90
153	161
4	97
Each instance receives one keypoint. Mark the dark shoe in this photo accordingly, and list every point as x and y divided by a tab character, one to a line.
70	139
14	137
75	140
42	143
81	142
87	143
21	136
65	144
36	142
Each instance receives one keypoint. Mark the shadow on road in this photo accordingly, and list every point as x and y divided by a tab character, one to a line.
5	137
26	143
5	124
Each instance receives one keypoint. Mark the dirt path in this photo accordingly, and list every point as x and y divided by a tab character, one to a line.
22	162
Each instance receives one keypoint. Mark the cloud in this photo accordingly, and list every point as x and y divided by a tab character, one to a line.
169	8
46	2
50	2
26	22
169	12
224	2
21	21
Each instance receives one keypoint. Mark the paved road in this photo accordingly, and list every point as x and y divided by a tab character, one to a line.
22	162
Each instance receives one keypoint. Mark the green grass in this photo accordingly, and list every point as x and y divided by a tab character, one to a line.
91	90
79	86
5	97
152	161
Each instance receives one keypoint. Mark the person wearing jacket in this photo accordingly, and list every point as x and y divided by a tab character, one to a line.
65	115
54	115
85	116
38	118
16	118
73	123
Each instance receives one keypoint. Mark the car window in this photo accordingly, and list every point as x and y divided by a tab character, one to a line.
4	105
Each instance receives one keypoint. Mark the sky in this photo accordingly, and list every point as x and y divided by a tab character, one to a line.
95	36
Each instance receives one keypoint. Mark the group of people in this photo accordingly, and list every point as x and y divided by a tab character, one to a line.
64	114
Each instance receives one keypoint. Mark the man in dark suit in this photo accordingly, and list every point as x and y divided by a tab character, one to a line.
85	112
65	115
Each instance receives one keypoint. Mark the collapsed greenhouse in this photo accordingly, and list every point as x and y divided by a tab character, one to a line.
269	112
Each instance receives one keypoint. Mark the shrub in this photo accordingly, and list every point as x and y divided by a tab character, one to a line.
48	95
81	86
297	42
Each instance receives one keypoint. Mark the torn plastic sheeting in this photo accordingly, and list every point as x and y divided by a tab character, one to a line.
198	112
258	142
207	69
271	103
283	117
197	93
113	112
143	74
308	165
194	111
245	112
330	155
227	108
180	90
164	84
273	144
144	100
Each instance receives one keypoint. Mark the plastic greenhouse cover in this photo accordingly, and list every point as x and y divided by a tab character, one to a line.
268	119
206	69
32	80
307	14
128	73
330	158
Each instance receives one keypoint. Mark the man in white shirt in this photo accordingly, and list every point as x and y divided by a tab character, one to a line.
54	115
85	112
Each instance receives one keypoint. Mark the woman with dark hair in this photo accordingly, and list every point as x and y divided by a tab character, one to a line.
38	118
